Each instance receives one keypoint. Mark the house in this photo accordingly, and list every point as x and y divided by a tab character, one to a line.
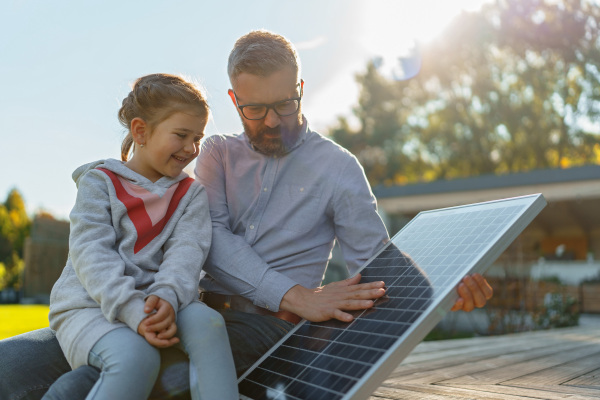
46	251
568	229
563	241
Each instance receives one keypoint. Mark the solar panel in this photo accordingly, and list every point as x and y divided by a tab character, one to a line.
421	266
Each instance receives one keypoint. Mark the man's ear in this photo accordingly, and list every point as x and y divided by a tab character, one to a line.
234	101
232	96
139	130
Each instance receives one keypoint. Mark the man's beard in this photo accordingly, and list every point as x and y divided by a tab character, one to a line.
276	146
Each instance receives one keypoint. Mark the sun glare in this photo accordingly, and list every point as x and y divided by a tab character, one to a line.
392	28
383	31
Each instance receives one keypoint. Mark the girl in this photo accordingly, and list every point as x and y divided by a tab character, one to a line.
140	232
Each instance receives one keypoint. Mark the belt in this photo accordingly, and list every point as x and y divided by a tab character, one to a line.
240	303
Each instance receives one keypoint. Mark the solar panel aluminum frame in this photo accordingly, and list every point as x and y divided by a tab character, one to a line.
441	304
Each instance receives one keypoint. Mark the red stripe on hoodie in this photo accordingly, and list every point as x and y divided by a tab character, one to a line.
136	210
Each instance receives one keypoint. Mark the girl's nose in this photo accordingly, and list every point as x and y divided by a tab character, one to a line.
191	147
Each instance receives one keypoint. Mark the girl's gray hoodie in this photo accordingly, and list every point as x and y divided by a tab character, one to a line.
130	238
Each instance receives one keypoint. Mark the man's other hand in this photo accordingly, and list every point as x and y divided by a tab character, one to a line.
474	291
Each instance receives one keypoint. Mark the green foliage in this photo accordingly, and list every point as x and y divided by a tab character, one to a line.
14	229
551	279
441	334
504	320
522	304
559	311
13	277
510	88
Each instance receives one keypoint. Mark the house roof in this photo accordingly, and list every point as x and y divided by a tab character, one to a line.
486	182
573	195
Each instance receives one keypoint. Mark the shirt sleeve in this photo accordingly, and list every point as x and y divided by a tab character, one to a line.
359	229
92	243
184	253
232	261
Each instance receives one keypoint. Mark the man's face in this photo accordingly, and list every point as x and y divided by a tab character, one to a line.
272	135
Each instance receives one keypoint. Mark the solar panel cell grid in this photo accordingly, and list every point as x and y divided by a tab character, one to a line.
334	360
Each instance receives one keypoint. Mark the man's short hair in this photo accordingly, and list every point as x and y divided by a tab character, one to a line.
262	53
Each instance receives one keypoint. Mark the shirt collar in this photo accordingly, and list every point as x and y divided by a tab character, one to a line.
304	132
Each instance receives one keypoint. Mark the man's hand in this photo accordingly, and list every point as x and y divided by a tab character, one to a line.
474	291
159	328
328	302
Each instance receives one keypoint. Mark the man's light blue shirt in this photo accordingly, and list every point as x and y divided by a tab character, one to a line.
275	219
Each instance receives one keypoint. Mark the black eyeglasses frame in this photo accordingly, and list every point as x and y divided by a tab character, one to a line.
269	106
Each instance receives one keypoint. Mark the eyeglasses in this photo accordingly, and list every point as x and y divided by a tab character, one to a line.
282	108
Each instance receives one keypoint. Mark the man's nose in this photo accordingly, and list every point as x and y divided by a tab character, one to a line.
272	120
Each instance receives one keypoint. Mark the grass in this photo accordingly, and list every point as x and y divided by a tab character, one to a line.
16	319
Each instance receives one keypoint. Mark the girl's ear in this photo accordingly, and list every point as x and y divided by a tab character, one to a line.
139	130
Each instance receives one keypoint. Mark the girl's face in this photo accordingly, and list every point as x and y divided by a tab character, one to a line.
169	148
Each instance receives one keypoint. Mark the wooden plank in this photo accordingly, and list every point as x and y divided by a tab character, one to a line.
472	354
553	393
489	358
481	392
468	367
428	351
437	393
560	374
399	394
589	380
446	348
556	364
563	354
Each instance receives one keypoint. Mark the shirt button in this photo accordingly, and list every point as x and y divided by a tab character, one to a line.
267	307
302	189
265	189
251	226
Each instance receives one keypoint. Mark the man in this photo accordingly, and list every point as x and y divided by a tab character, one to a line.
280	194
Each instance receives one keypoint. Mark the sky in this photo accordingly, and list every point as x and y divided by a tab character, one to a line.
65	67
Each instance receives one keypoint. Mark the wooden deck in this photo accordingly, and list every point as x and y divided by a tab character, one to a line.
554	364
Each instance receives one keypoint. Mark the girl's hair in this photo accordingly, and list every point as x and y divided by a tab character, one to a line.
156	97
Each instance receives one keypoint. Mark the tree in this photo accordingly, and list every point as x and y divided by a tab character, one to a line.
510	88
14	229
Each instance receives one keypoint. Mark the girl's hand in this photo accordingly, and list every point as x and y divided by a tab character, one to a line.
159	328
155	338
163	320
168	333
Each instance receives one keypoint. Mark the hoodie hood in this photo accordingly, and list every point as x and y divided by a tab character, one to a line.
118	167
